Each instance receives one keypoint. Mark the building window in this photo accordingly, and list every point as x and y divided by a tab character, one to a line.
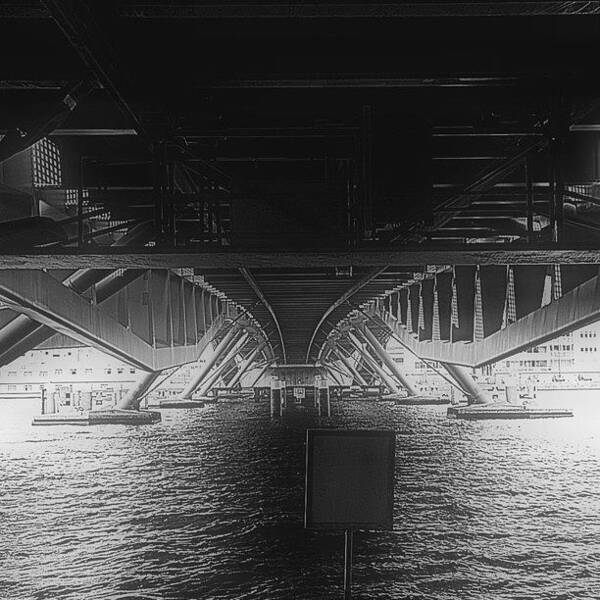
58	371
88	371
46	164
73	371
132	370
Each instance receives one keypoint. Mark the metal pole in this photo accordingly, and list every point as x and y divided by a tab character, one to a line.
529	188
348	564
80	206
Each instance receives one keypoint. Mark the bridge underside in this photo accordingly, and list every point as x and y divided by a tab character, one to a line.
329	168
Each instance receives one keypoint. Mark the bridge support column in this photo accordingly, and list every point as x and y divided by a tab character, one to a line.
219	370
133	398
276	398
222	347
322	391
387	380
348	364
464	378
247	362
387	360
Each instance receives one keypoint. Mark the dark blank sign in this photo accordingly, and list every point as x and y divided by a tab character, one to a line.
349	479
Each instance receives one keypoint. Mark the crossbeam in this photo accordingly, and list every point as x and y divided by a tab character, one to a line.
46	300
575	309
467	254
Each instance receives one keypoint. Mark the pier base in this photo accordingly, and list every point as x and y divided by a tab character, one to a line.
505	411
100	417
417	400
276	406
183	403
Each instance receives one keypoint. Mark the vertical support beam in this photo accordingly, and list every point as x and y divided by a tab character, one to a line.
131	400
208	302
183	309
387	360
203	305
529	192
366	135
558	190
465	380
80	206
558	130
169	309
232	334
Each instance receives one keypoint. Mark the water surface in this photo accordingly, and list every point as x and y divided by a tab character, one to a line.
208	504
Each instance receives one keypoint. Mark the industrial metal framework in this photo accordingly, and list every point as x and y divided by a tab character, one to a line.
328	157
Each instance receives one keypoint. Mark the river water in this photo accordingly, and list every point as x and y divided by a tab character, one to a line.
208	504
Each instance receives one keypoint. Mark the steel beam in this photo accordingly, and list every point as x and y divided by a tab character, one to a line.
382	354
348	10
575	309
387	379
348	364
356	287
133	397
220	369
16	141
230	337
259	293
457	254
84	35
261	373
466	382
246	364
46	300
340	82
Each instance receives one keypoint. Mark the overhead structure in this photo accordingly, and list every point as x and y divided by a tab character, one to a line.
309	184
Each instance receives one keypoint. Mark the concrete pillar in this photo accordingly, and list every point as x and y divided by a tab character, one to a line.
245	364
275	403
222	346
276	399
348	364
322	391
133	397
464	378
212	377
387	360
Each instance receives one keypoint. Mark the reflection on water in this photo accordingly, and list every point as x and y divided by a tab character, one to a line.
209	504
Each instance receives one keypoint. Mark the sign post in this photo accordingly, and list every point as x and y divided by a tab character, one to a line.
349	484
348	541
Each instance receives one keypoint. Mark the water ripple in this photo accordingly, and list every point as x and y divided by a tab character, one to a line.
209	505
